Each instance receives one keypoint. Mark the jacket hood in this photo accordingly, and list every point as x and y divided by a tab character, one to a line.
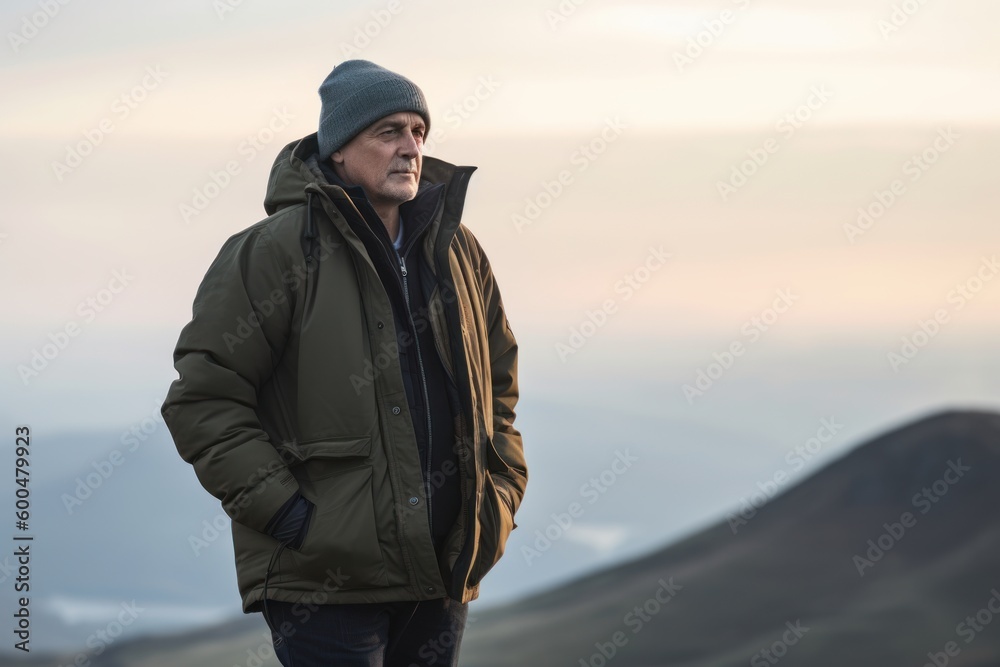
297	165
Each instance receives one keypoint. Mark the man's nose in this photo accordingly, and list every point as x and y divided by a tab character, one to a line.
410	147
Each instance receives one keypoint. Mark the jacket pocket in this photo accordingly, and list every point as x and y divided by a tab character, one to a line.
316	459
500	466
495	526
495	462
343	533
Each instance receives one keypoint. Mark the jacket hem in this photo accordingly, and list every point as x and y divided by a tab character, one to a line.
254	602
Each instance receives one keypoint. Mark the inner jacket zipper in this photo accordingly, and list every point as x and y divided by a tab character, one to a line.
423	381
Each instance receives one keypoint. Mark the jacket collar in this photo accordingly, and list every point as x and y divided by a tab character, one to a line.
418	212
297	167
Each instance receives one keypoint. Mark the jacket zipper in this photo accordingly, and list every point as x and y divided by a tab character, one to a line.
423	382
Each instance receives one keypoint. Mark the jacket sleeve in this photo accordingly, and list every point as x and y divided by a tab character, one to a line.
510	472
241	318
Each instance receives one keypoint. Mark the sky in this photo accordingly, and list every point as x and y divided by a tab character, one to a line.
713	224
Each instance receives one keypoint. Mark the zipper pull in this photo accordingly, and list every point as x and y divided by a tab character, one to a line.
402	264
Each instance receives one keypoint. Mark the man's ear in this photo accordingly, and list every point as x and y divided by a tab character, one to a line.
337	162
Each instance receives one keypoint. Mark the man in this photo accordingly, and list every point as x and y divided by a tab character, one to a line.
347	390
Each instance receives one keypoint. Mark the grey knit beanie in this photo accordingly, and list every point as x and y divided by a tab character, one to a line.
356	94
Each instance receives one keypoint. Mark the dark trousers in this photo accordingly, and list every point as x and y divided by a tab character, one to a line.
390	634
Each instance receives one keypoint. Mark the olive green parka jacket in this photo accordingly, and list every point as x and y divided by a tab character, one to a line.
287	382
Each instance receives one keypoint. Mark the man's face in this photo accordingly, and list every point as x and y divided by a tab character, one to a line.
385	158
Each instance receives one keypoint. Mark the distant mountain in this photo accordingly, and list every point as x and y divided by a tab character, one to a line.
116	533
244	642
876	560
886	557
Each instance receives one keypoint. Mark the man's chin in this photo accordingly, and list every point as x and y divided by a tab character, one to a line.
400	194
